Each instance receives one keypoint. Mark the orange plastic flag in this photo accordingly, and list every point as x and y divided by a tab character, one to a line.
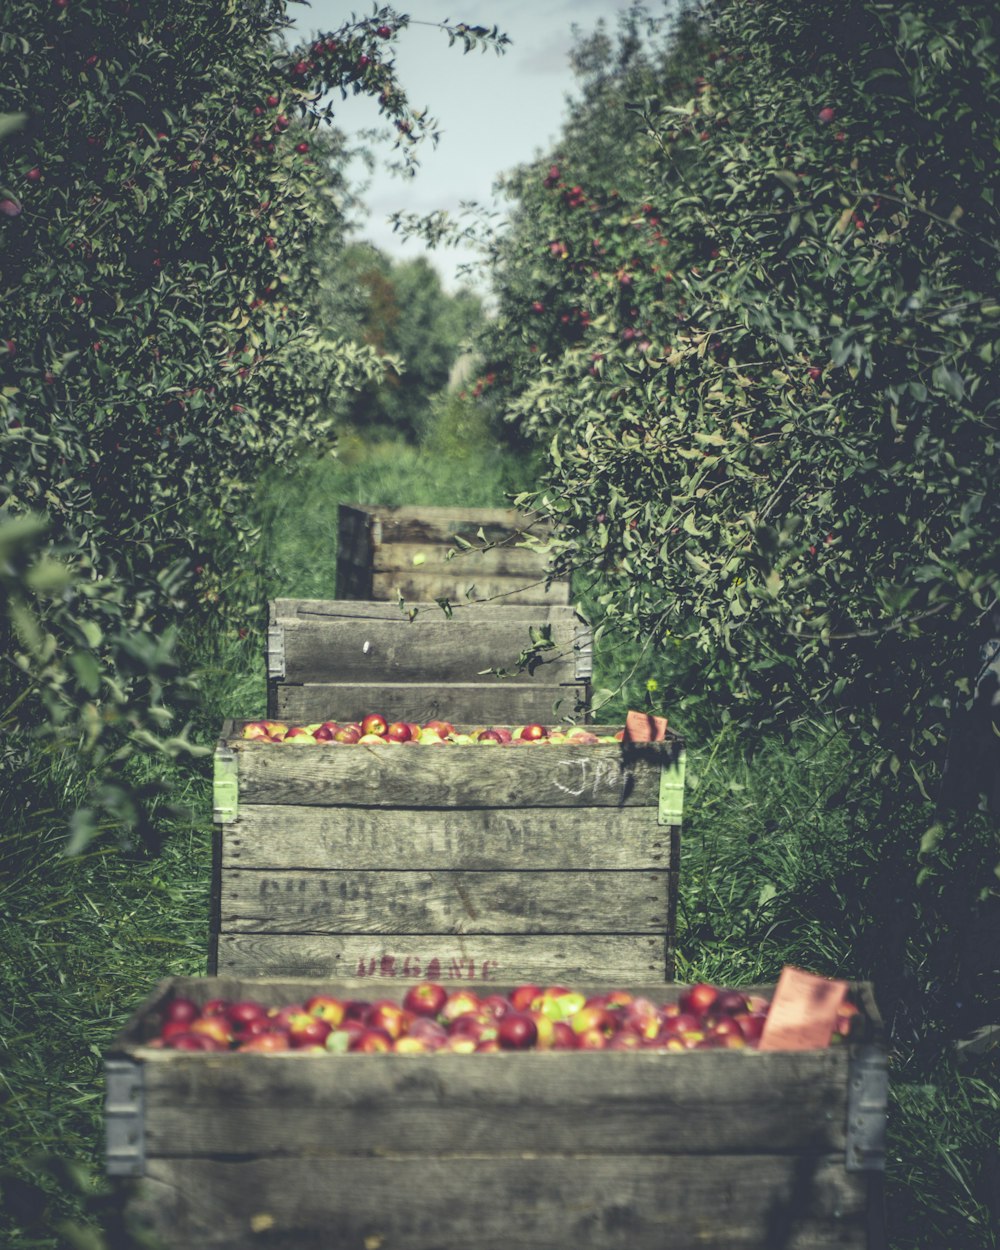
803	1012
642	727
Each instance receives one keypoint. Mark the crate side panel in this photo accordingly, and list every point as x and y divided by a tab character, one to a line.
442	524
714	1102
560	616
443	902
424	650
491	701
622	1202
548	959
480	839
535	775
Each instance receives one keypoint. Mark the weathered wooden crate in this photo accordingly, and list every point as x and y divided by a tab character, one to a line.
557	1150
420	554
508	862
347	658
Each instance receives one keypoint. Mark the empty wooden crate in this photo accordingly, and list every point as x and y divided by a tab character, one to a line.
459	554
554	1150
547	861
345	658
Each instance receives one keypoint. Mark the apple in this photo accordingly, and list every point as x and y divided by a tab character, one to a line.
698	998
326	1008
560	1004
729	1003
532	733
181	1009
374	723
458	1003
441	727
256	729
479	1025
326	732
307	1030
399	731
545	1029
389	1017
195	1041
369	740
298	733
425	999
523	997
215	1027
216	1007
266	1042
593	1016
496	1005
626	1040
581	737
408	1045
173	1028
347	733
493	735
429	1031
563	1037
517	1031
683	1022
490	1045
461	1044
430	738
592	1039
370	1042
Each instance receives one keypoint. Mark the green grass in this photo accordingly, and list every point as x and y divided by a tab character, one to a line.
790	855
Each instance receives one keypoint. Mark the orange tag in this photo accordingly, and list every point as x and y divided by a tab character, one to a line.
641	727
803	1012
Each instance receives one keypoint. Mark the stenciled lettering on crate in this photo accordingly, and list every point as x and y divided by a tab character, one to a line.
538	862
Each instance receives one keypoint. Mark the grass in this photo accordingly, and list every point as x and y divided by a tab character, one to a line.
791	855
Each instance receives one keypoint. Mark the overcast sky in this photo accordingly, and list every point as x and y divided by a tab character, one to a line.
494	111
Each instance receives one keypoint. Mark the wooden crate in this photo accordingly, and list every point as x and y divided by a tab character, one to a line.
557	1150
345	658
421	554
507	862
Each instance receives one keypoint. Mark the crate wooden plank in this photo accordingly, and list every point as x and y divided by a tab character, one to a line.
415	586
492	701
558	615
612	1202
426	650
441	524
456	562
725	1102
443	902
296	836
535	775
547	959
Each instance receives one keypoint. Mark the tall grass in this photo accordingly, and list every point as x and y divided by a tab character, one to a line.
791	854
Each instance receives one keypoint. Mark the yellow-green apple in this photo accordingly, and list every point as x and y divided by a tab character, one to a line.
545	1030
425	999
326	1007
460	1044
430	738
372	740
559	1004
593	1016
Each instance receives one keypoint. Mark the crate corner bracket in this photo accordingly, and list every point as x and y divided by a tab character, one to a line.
125	1145
225	786
867	1099
671	802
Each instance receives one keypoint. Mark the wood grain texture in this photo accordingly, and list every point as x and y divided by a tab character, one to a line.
615	1202
529	775
490	701
460	587
417	523
560	616
449	559
342	837
663	1103
545	959
425	650
443	902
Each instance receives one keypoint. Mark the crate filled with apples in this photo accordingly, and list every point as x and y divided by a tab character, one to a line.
443	851
437	1117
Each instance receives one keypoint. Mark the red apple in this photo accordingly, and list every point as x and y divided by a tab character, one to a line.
256	729
563	1037
326	732
398	731
522	997
489	1046
307	1030
625	1040
347	733
533	733
592	1039
698	998
215	1007
496	1005
374	723
457	1004
389	1017
215	1027
195	1041
429	1031
369	1042
408	1045
479	1025
460	1044
517	1031
682	1022
173	1028
593	1016
425	999
266	1042
730	1003
182	1009
441	727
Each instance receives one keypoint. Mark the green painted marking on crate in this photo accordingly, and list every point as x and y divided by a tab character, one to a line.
671	810
225	786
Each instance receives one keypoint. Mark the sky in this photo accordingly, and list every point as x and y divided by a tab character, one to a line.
494	112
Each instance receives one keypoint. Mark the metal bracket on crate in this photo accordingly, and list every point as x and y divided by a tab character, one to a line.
867	1101
225	786
276	651
583	647
125	1144
671	810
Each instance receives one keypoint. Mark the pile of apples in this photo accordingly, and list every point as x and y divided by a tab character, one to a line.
432	1018
374	729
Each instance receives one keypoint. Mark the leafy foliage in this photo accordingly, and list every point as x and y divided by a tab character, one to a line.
770	415
162	178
